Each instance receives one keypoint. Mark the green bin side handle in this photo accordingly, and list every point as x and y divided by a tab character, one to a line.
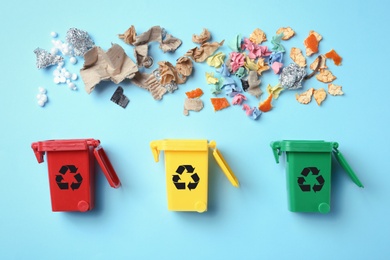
276	149
340	158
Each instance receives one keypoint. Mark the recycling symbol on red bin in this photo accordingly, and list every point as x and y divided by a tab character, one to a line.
307	187
182	185
72	170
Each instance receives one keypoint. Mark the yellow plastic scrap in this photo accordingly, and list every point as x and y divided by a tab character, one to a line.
261	66
288	33
274	91
322	66
201	38
297	56
200	54
305	97
210	78
250	64
335	90
257	36
325	76
319	95
216	60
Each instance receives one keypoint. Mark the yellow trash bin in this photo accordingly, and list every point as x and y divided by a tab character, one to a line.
186	167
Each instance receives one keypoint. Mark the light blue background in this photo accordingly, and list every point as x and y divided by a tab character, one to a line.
251	222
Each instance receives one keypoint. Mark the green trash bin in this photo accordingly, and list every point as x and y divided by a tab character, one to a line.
309	165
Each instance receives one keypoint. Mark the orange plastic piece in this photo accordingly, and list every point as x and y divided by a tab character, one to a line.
332	54
194	93
266	105
311	42
219	103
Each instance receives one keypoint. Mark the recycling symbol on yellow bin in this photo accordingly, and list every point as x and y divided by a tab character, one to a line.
182	185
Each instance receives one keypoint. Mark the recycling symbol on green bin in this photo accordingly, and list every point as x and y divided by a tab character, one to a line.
182	185
307	187
65	185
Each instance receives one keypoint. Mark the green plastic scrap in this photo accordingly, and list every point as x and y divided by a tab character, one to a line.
277	47
235	43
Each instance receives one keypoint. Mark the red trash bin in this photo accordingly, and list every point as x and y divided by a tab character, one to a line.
71	171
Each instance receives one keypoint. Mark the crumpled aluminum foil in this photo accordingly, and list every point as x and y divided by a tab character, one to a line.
80	41
46	59
292	76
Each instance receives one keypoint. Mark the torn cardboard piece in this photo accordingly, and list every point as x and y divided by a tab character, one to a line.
200	54
112	65
201	38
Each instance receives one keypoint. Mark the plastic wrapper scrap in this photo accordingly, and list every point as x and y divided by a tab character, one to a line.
201	38
216	60
253	113
46	59
112	65
119	98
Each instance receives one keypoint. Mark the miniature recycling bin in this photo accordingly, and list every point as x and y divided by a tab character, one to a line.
71	171
186	166
309	173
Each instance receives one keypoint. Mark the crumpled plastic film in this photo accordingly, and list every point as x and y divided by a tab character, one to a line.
184	66
200	54
276	67
129	35
277	46
235	43
250	64
255	50
292	76
238	99
80	40
237	60
257	36
224	70
274	91
210	79
261	66
46	59
216	60
241	72
201	38
254	83
192	104
112	65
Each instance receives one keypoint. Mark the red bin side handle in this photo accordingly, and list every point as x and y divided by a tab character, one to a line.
106	166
